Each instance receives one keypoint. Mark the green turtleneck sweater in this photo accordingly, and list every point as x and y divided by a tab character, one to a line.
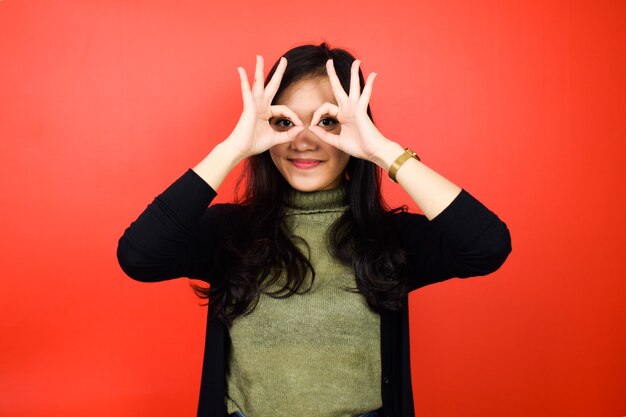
313	354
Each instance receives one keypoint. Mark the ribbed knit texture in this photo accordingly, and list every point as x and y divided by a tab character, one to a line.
316	354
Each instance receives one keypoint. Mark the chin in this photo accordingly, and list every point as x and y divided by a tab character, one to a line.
308	186
305	189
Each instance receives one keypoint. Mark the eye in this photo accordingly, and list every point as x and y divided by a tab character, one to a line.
285	123
328	122
282	124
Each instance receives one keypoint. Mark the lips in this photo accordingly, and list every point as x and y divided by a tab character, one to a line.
305	163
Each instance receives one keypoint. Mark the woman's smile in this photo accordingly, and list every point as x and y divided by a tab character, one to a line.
307	163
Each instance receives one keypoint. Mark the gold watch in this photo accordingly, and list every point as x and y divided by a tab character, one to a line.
393	169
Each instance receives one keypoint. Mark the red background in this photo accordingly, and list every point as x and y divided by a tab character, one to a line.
104	103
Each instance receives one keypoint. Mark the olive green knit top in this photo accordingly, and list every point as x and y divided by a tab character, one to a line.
313	354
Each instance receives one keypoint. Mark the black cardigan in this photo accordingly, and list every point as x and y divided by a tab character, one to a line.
178	236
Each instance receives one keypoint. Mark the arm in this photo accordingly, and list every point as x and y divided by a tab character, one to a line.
253	133
360	138
466	239
175	236
428	189
458	236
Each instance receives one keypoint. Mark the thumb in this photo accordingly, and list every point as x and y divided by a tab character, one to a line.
318	131
293	132
288	136
325	136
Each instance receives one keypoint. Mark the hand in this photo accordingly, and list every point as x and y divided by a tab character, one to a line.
358	137
253	133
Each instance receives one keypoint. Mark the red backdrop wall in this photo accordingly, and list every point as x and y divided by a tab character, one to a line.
104	103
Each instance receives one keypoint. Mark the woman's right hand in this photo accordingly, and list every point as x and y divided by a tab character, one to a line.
253	133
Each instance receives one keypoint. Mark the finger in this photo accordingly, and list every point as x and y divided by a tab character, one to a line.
288	136
257	87
245	85
367	90
327	108
272	86
355	86
325	136
280	110
335	84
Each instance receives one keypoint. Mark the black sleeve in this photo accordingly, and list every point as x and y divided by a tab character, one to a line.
466	239
176	235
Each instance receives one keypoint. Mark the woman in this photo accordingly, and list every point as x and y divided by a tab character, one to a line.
310	273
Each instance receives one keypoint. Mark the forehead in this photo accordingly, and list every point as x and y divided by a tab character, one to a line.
307	95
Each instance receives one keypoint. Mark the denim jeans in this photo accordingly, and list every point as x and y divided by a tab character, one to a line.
370	414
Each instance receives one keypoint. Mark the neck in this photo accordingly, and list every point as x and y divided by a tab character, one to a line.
317	200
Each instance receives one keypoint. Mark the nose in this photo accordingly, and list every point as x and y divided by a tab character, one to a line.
305	141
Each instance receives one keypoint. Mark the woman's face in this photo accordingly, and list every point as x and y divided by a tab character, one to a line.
307	163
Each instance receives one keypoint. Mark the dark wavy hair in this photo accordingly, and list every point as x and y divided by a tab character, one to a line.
259	248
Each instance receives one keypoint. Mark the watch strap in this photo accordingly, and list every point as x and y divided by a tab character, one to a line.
395	166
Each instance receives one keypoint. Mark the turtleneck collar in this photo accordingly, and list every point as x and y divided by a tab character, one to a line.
324	200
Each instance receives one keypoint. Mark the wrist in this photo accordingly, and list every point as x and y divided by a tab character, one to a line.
386	154
217	164
400	161
230	152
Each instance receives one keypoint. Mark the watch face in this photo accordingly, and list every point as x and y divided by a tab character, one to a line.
413	154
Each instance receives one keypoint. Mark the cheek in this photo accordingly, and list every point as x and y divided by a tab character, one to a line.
341	159
278	158
276	154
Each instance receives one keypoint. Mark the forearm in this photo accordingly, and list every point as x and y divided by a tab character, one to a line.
430	190
214	168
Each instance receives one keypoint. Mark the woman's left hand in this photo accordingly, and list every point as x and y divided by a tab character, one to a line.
358	137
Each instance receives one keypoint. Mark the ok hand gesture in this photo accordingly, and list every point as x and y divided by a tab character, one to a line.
253	133
358	137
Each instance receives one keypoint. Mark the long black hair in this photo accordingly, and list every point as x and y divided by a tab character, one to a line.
258	246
